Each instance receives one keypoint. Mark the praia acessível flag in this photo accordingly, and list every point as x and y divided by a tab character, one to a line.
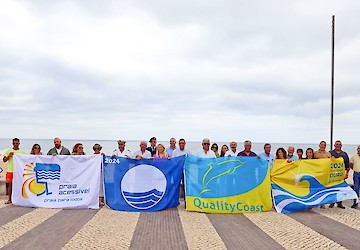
142	185
304	184
227	184
60	181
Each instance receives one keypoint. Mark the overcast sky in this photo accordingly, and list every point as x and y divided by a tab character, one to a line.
227	70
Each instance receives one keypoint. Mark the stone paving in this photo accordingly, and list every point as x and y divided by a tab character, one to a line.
108	229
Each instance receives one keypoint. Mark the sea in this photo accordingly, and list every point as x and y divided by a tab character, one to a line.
108	146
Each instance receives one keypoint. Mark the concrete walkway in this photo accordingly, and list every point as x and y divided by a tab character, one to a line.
30	228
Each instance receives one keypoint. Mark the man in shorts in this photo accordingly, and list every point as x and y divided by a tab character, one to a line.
9	158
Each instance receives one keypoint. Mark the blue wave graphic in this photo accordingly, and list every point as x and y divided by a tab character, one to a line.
318	195
143	200
47	175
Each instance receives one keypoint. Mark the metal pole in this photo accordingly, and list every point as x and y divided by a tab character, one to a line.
332	83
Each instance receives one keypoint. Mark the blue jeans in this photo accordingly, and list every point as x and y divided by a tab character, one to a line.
356	178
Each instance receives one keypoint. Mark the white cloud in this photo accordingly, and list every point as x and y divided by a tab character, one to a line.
229	70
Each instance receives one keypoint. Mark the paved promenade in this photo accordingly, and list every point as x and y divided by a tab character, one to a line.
30	228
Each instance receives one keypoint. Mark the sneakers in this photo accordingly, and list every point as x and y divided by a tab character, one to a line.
355	205
331	205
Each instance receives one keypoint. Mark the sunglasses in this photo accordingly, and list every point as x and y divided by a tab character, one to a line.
215	147
97	149
206	143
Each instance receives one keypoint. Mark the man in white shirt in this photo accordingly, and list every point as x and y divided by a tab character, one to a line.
121	151
181	150
266	154
205	152
142	153
233	149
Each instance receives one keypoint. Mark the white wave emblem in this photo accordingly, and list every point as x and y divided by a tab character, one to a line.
342	193
143	186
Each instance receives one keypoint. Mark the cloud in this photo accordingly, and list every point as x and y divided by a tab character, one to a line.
233	70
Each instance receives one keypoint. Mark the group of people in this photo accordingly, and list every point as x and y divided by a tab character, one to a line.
159	151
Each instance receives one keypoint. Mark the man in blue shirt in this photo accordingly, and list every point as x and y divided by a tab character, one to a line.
266	154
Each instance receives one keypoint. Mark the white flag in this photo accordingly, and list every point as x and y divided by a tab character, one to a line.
60	181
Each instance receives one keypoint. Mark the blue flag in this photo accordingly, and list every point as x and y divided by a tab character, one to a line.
142	185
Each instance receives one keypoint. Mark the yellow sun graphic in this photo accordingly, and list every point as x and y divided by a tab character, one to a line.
30	183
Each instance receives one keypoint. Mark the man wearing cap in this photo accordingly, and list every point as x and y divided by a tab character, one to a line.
152	149
121	151
172	147
142	153
247	149
205	152
233	149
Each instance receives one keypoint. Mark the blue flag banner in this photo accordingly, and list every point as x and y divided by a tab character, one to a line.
142	185
227	184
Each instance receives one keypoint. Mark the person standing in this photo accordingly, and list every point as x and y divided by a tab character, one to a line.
161	152
205	152
9	158
247	149
223	150
181	150
233	149
215	149
337	153
355	166
172	147
152	148
281	154
309	153
300	153
58	149
78	149
322	153
36	149
142	153
290	154
97	149
266	155
121	151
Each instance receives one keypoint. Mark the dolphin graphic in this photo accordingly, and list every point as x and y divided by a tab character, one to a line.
227	170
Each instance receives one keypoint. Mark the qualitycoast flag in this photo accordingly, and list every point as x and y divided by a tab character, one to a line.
227	185
57	181
142	185
308	183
